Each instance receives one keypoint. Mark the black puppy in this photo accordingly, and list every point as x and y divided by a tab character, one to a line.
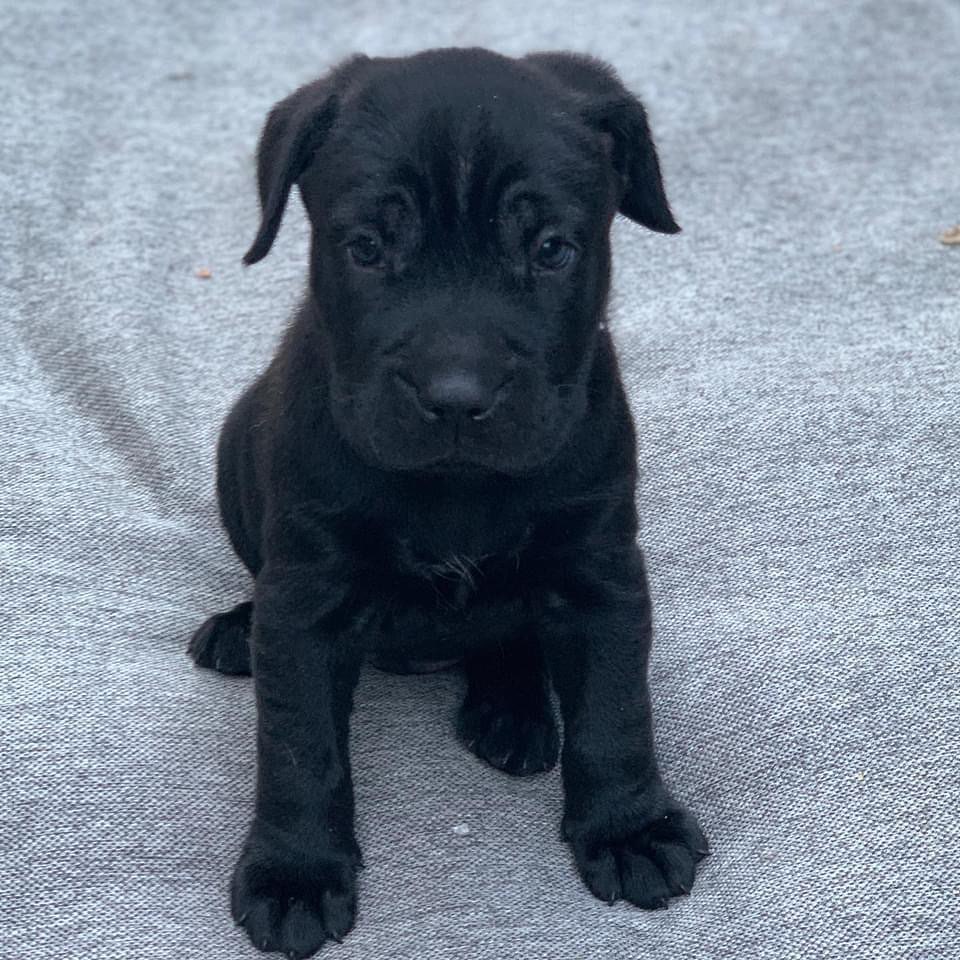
440	463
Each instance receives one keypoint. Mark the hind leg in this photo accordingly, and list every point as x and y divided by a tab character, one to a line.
506	717
223	642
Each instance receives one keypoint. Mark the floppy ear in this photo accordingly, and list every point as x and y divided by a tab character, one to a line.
618	116
294	130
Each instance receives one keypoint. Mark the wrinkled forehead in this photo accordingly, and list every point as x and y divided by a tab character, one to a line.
459	144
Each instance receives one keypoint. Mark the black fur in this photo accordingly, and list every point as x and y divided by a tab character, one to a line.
439	464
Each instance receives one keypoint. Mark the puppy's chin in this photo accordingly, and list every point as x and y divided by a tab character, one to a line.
520	442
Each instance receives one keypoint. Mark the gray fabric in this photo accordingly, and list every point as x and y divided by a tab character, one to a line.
792	358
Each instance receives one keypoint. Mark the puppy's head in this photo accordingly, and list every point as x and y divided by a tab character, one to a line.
460	204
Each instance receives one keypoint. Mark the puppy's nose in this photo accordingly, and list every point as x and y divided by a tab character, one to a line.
453	394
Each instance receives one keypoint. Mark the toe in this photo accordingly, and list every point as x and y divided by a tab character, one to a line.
676	863
302	932
262	923
199	645
642	881
601	874
680	826
339	911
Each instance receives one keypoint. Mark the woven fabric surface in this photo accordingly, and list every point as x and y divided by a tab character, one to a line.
792	359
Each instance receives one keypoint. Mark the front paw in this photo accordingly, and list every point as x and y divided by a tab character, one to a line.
645	861
292	899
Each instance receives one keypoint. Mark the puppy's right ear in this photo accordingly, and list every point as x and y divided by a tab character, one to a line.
295	129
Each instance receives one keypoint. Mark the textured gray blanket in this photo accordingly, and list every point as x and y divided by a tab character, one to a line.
793	362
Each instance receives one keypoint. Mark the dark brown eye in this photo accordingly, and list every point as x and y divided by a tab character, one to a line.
554	253
366	251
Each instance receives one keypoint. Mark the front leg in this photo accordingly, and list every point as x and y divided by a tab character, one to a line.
630	838
294	885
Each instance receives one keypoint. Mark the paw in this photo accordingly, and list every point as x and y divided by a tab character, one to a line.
520	740
291	904
223	642
647	864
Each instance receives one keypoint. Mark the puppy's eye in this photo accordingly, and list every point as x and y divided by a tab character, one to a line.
366	251
554	253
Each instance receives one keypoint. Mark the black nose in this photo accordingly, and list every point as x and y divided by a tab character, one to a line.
453	394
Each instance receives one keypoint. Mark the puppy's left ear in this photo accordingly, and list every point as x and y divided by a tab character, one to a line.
295	129
620	119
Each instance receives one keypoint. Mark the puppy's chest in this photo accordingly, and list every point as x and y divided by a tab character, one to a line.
443	601
459	580
466	562
460	548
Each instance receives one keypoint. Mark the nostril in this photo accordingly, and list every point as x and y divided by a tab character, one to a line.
481	413
406	384
411	390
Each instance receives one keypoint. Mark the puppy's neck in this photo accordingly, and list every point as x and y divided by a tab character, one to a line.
456	525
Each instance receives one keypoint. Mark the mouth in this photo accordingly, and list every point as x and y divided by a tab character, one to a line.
455	462
524	435
459	461
450	459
